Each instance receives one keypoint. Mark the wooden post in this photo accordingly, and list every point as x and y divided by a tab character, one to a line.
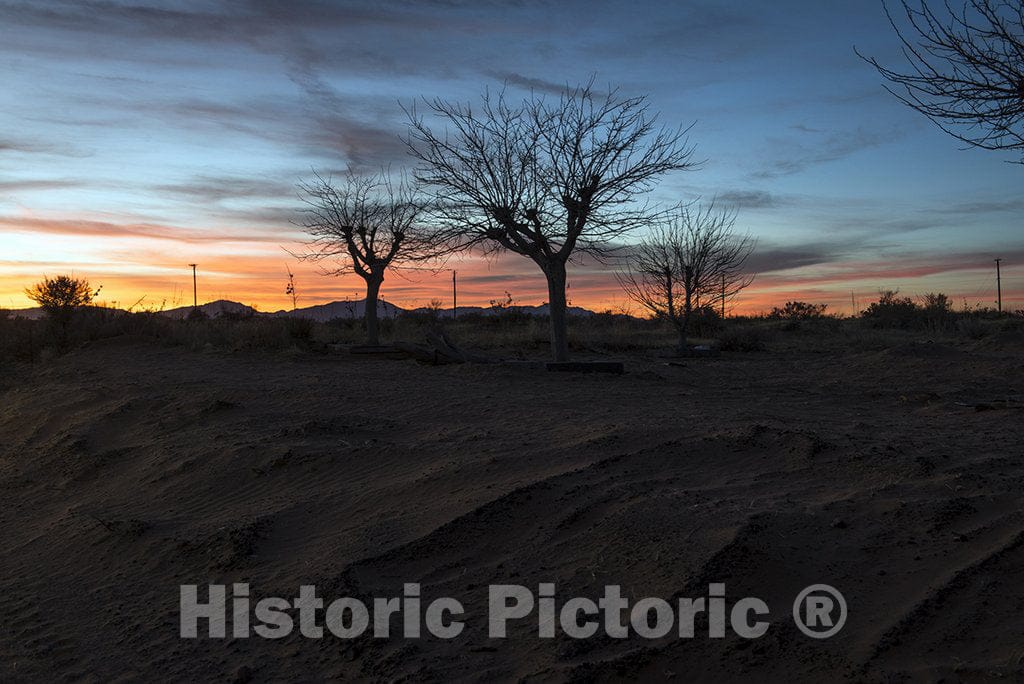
195	291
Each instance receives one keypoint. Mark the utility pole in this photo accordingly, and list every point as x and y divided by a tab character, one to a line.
723	296
455	297
195	291
999	288
853	303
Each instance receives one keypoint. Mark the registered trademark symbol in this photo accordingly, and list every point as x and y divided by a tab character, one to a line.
819	611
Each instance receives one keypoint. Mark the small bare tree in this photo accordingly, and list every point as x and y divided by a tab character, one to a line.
290	288
966	70
368	224
545	179
691	260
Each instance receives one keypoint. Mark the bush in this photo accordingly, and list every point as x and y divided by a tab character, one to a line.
892	311
798	311
743	338
971	327
300	329
937	303
705	321
937	311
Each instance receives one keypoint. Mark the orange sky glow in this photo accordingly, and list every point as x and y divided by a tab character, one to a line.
145	266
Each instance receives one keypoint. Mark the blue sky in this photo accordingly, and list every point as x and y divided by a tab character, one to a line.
138	137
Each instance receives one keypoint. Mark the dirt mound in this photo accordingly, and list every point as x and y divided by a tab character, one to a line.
128	471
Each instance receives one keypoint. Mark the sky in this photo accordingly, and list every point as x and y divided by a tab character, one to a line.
137	138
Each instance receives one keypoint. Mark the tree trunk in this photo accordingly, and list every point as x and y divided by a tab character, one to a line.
555	273
681	330
684	320
370	314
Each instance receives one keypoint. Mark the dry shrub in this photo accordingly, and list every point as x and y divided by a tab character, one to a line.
744	337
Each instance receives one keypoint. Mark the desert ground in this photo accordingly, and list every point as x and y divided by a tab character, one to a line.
894	473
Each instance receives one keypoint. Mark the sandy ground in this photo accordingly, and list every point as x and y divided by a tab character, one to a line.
127	469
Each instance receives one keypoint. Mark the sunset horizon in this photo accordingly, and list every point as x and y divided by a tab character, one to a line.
481	282
124	166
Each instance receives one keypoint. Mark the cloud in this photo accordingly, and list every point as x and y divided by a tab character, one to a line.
38	184
270	216
539	85
984	206
783	258
245	21
35	147
325	125
699	31
91	228
749	199
796	155
218	188
320	31
889	271
362	143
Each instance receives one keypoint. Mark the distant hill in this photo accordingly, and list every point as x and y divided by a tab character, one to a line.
355	309
31	314
211	309
538	310
332	311
215	309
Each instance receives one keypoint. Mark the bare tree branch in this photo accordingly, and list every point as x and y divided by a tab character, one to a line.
966	70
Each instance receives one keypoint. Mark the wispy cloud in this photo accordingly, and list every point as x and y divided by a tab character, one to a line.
37	184
41	148
749	199
92	228
767	259
796	154
220	188
1013	205
535	84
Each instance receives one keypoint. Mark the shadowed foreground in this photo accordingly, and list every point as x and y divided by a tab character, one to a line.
128	469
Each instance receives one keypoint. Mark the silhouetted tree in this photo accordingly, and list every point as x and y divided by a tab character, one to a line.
966	70
544	179
61	294
59	297
290	288
370	224
691	260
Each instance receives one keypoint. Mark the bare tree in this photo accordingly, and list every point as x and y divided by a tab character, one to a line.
966	70
368	224
545	179
290	288
694	259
